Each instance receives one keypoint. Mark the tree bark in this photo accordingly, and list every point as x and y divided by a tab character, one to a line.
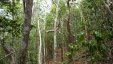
70	38
26	30
40	45
55	33
69	35
46	48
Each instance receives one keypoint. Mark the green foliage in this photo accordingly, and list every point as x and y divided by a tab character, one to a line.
97	19
62	9
95	16
99	27
10	22
96	50
10	26
53	8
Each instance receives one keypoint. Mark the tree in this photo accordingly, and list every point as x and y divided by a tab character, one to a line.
40	44
10	28
55	32
27	4
68	27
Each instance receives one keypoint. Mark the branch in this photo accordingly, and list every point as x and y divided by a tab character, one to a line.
6	48
7	55
50	30
107	6
53	29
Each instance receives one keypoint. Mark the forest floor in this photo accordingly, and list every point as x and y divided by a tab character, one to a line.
82	60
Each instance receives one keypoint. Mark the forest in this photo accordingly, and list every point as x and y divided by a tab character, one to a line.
56	31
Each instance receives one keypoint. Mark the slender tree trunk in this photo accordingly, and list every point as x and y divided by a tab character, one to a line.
44	46
40	45
12	59
69	35
55	33
63	43
26	30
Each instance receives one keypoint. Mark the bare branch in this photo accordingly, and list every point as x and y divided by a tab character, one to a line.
50	30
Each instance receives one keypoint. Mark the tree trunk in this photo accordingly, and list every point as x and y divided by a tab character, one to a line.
44	46
26	30
46	49
70	38
69	35
40	45
55	32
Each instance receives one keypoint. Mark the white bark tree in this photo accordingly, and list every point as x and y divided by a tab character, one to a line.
55	32
40	44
